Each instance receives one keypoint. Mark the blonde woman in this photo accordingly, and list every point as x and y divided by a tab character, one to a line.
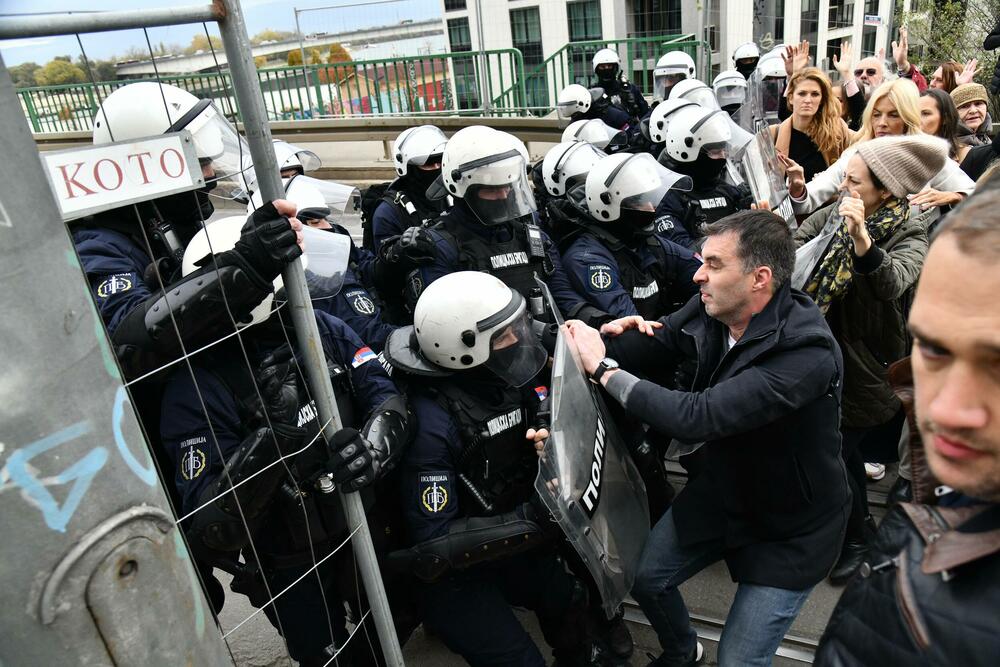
814	135
893	110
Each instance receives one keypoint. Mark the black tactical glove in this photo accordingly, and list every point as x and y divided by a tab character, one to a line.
267	244
413	246
352	462
282	392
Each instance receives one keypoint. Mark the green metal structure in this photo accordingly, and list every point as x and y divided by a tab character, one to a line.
438	84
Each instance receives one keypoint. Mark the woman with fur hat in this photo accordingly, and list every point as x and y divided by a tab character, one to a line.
971	101
862	284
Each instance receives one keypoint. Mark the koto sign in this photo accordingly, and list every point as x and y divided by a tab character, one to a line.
89	180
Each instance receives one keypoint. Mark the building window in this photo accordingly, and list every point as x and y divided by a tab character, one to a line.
841	14
809	27
584	20
458	34
832	49
769	22
868	31
463	69
453	5
655	17
526	36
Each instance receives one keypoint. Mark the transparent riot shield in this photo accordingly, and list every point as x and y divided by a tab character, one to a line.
588	482
811	253
762	171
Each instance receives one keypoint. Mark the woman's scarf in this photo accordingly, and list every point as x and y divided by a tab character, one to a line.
834	273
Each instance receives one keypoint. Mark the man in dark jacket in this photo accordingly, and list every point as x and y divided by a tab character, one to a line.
773	499
929	593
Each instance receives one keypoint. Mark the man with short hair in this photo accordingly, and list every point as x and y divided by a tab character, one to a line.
765	399
928	595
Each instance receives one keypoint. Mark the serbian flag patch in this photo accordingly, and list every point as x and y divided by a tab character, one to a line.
362	356
542	393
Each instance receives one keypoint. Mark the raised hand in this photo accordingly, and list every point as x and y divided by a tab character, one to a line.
968	73
844	63
900	50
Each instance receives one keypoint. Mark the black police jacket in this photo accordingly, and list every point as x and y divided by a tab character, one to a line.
774	486
928	595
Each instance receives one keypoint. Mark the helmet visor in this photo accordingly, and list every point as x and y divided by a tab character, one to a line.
325	261
516	355
224	155
703	96
501	192
339	199
568	108
664	80
290	156
659	180
729	95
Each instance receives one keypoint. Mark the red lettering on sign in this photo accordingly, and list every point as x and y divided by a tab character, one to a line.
142	165
118	173
180	162
70	181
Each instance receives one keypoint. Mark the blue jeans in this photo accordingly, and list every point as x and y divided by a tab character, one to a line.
757	620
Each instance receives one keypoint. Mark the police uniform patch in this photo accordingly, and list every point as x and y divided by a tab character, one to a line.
361	303
435	492
116	284
600	277
193	459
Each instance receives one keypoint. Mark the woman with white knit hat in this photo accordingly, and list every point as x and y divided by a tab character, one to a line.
861	284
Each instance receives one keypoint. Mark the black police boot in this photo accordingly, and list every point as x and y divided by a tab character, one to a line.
615	635
901	491
853	554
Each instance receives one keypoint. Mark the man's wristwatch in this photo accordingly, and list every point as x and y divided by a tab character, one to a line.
606	364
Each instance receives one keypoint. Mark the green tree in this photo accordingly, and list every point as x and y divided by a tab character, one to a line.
271	36
260	61
338	54
201	43
955	31
58	71
24	74
294	58
315	57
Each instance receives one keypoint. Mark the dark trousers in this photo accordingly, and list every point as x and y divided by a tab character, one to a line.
471	611
856	442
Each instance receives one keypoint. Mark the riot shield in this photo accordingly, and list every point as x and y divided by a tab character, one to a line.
763	173
588	482
811	253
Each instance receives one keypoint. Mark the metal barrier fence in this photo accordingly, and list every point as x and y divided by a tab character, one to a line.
447	83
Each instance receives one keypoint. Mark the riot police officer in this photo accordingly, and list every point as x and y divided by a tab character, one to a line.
321	204
565	166
481	540
578	103
731	91
616	261
622	92
257	477
131	254
697	145
672	68
416	157
492	226
745	59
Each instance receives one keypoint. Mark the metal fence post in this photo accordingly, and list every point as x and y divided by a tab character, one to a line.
92	556
258	134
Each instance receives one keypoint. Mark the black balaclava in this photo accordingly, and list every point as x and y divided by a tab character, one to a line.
606	73
704	171
746	68
633	223
421	179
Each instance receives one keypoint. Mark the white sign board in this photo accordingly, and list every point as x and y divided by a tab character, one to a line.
873	19
98	178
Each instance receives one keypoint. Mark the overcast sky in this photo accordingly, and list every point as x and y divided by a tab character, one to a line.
260	15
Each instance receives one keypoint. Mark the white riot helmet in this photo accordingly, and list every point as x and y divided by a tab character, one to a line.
574	98
745	58
730	88
696	91
633	181
488	169
469	319
772	66
292	157
567	164
698	130
418	146
315	199
661	116
670	69
595	131
325	261
146	109
606	64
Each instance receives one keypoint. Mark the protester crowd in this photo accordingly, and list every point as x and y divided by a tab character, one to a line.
765	344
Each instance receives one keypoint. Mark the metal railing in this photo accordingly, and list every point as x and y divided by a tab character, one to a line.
572	64
446	83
